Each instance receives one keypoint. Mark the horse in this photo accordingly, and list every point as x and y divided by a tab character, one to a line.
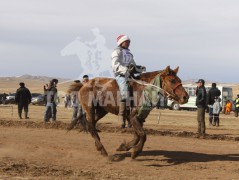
99	96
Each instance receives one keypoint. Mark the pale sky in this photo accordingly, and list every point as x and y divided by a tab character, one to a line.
199	36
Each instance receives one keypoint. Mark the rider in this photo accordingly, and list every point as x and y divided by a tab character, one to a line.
123	65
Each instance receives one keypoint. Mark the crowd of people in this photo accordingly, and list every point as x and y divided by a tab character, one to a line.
23	99
211	100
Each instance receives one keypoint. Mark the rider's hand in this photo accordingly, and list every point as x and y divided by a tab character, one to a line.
131	68
143	68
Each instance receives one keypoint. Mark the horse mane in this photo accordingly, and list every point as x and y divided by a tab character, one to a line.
74	87
149	75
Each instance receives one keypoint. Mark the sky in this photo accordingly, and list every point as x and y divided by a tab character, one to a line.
199	36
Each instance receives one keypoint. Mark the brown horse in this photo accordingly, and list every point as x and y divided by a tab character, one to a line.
100	96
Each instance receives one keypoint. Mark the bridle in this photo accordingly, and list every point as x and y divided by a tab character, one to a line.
167	94
172	94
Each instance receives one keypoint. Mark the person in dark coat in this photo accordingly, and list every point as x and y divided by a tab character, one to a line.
201	103
212	93
23	99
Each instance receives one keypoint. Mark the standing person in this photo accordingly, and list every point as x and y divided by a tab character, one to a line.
80	111
216	111
228	107
201	106
237	106
212	93
123	64
51	100
66	100
23	99
85	79
77	110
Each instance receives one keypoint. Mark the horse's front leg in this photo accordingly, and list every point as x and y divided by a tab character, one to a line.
127	146
138	127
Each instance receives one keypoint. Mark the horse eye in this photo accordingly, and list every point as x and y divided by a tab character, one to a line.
173	81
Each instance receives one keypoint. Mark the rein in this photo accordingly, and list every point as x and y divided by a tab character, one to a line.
152	85
148	84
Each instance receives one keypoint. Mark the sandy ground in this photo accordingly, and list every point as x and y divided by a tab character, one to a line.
32	150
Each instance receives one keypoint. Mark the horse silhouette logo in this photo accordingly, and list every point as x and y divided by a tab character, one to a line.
94	56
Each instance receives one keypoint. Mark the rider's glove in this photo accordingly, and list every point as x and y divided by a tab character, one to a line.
131	68
140	69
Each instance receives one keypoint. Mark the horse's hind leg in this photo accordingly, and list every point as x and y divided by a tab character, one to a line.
100	113
138	127
90	114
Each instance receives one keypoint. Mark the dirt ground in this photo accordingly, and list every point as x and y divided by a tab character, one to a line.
32	150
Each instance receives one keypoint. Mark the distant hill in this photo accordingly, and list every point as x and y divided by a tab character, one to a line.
34	83
40	78
208	82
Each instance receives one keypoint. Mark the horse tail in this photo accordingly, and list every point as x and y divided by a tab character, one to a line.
74	87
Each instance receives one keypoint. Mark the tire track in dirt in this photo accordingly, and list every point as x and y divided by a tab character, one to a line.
111	129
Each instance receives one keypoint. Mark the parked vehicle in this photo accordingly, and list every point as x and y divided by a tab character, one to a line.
34	95
38	100
226	94
10	99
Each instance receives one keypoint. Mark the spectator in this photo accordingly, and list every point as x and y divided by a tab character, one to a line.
228	107
77	110
216	111
23	99
237	106
201	106
214	91
51	100
85	79
67	100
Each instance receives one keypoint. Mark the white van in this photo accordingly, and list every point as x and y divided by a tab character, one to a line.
226	94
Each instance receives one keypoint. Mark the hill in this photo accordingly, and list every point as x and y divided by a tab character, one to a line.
34	83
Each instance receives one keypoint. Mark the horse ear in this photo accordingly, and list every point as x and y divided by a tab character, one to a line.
167	70
176	70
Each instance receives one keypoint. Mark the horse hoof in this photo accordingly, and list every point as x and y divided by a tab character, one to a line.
122	147
134	155
104	153
116	158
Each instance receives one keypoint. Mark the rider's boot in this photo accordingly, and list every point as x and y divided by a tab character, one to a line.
122	112
127	117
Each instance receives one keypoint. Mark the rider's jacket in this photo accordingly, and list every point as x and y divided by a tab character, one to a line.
121	59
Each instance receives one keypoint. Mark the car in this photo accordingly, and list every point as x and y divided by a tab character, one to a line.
10	99
34	95
38	100
226	94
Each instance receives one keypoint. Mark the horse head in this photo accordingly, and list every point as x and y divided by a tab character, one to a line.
172	84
